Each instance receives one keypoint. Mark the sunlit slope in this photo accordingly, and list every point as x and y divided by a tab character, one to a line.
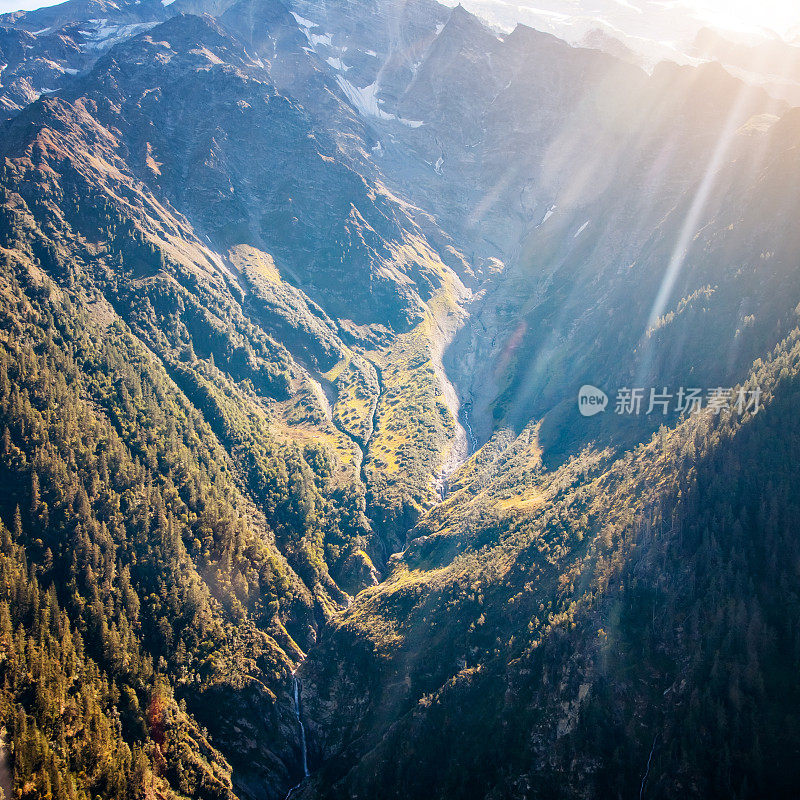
642	603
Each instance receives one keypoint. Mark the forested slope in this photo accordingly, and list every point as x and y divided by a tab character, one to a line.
126	507
637	624
294	304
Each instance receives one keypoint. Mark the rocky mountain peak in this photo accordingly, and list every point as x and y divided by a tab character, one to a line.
463	25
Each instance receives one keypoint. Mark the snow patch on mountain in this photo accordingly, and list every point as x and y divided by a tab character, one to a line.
365	101
316	40
303	22
582	229
550	212
101	34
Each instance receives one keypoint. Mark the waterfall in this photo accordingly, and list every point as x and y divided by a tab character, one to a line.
299	715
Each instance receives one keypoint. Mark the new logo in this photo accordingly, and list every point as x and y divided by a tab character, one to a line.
591	400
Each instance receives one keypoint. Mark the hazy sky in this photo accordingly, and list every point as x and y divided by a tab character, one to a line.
14	5
664	21
780	15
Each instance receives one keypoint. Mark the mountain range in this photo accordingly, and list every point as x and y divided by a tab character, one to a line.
296	496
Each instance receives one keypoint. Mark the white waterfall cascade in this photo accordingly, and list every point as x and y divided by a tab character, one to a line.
298	714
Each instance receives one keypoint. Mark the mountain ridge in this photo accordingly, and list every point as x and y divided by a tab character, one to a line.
297	299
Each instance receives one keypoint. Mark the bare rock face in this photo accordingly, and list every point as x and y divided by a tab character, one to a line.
380	44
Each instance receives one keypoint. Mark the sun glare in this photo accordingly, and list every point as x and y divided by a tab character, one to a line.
745	16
